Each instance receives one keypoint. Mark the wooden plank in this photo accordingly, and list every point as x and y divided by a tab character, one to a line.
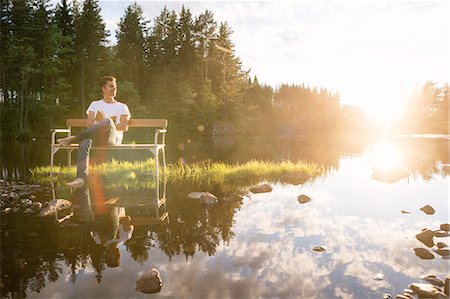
134	123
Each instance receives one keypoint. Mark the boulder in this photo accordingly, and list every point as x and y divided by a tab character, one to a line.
319	248
426	237
208	198
261	188
441	233
379	276
55	205
423	253
427	210
150	282
424	290
445	226
433	280
303	199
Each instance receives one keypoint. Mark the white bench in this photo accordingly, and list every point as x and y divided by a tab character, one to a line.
158	130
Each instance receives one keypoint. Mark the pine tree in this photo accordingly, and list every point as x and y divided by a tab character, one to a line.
90	48
130	43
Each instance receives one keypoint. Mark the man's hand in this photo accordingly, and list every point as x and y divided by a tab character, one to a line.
90	119
123	125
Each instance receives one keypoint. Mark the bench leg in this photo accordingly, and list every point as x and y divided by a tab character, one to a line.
69	158
157	176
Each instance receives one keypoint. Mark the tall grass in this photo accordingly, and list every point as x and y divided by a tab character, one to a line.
140	174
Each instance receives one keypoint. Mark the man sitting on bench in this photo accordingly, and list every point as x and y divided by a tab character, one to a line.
106	121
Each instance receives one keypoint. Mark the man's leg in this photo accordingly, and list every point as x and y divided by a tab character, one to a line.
102	133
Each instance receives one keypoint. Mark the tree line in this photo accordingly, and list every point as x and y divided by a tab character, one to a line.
177	66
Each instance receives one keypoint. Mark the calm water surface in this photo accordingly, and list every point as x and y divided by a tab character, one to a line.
258	247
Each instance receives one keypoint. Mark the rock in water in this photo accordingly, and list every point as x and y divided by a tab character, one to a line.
441	233
150	282
445	226
379	276
427	210
447	286
208	198
55	205
319	248
433	280
424	290
423	253
303	199
195	195
261	188
443	252
405	212
426	237
441	245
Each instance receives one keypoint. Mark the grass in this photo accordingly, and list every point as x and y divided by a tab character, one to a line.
140	174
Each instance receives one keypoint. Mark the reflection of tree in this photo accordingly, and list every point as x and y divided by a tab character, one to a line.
421	157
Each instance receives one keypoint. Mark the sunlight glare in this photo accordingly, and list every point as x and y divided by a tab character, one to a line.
385	156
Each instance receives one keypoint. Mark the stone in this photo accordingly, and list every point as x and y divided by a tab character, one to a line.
14	195
447	286
319	248
426	237
263	188
433	280
55	205
445	226
294	178
441	245
36	205
401	297
379	276
408	291
427	210
208	198
195	195
150	282
423	253
303	199
424	290
7	210
405	212
233	197
28	211
26	202
443	252
387	296
441	233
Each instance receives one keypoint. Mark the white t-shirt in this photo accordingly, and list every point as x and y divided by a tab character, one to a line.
115	109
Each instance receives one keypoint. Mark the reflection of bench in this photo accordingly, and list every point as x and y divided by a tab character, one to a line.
158	127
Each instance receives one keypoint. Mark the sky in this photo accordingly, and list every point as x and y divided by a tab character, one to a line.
373	53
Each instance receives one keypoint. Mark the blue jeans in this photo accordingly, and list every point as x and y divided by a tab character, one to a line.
102	133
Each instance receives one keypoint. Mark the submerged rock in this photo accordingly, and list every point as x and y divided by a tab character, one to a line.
55	205
303	199
433	280
319	248
294	178
427	210
441	233
447	286
208	198
195	195
379	276
441	245
424	290
445	226
263	188
150	282
443	252
423	253
426	237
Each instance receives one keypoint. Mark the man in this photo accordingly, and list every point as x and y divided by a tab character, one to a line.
107	119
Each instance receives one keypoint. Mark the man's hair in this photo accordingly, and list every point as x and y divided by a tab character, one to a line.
106	79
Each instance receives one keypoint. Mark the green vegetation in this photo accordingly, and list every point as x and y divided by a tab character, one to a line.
123	174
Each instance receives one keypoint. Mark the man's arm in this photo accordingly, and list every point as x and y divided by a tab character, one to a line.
123	125
90	119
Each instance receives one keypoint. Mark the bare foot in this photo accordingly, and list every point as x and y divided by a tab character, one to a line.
75	184
66	141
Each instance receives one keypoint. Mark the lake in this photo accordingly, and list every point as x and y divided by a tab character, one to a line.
258	246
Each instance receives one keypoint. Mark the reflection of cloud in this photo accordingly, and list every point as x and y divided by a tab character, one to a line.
271	256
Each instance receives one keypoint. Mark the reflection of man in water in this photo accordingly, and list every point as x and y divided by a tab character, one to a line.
111	231
110	226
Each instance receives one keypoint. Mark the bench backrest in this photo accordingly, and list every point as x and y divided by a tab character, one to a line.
133	123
